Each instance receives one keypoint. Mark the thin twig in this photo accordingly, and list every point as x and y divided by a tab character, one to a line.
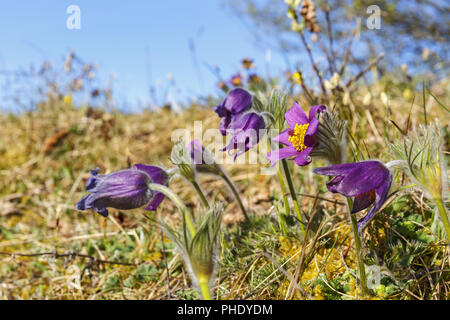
268	256
347	51
64	255
321	198
330	37
362	72
313	63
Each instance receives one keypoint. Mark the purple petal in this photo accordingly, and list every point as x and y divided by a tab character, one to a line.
283	137
303	157
331	185
232	144
335	170
93	180
363	177
246	132
81	205
313	124
102	211
195	150
221	111
248	121
243	141
224	125
197	145
381	194
295	115
240	142
160	176
193	147
310	132
237	101
121	199
157	174
158	197
253	136
314	110
360	181
126	189
242	148
122	183
283	153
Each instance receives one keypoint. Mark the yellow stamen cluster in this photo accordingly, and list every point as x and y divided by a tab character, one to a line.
297	138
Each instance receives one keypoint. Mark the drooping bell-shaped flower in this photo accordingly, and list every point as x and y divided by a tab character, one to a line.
246	132
236	103
299	137
125	189
368	182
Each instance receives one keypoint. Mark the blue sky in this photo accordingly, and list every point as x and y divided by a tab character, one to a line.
140	41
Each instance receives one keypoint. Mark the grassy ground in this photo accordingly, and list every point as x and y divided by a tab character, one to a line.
45	158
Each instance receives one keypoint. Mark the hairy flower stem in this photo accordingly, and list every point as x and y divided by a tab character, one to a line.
361	267
203	283
230	184
293	194
175	199
396	163
200	194
444	216
285	199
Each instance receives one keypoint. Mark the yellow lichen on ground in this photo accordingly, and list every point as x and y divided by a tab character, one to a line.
329	261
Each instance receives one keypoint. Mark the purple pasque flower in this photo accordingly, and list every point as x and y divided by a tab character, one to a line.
246	132
299	137
236	102
368	182
125	189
